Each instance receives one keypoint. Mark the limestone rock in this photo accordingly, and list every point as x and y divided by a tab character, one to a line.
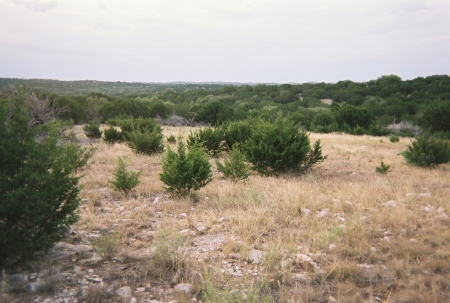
255	256
124	292
305	262
183	288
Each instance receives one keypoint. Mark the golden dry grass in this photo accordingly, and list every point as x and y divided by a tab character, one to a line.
411	239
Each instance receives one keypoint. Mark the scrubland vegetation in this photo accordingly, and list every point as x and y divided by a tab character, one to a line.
252	208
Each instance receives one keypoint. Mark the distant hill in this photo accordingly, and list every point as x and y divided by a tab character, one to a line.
85	87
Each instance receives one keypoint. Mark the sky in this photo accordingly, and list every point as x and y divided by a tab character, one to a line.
253	41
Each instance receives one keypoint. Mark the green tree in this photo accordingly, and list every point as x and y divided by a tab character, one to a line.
427	151
437	117
38	185
184	172
92	130
214	112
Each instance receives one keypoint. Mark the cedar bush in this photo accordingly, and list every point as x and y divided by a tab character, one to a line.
146	141
210	138
92	130
279	147
184	172
112	135
124	180
235	166
38	184
427	151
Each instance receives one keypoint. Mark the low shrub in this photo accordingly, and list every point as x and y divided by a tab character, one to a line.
124	180
146	141
235	166
112	135
210	138
184	172
383	169
427	151
394	139
280	146
92	130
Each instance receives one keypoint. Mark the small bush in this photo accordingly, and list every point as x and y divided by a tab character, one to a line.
112	135
383	169
376	130
210	138
183	172
92	130
394	139
171	139
280	146
235	166
146	141
427	151
237	132
124	181
108	245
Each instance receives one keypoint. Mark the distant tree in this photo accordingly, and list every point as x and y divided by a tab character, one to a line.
437	117
354	116
213	112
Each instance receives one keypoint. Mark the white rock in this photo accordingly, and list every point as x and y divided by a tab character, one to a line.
425	195
221	219
183	287
391	203
156	201
182	215
332	247
306	212
201	227
255	256
124	292
133	300
305	262
323	213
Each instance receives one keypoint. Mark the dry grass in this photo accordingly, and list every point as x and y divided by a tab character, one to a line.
410	239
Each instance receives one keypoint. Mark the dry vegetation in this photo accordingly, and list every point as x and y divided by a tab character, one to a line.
364	247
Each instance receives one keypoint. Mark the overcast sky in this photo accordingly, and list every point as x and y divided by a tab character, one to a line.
224	40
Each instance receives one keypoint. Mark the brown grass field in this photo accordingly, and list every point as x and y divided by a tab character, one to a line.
369	237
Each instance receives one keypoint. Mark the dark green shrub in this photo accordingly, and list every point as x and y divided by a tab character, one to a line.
183	172
354	116
280	146
358	130
112	135
92	130
235	166
427	151
376	130
146	141
394	139
324	122
237	132
124	181
38	186
210	138
436	117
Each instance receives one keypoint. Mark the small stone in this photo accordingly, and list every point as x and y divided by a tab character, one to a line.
427	209
331	299
201	227
225	262
32	276
306	212
425	195
255	256
221	219
305	262
412	240
300	278
156	201
124	292
35	287
182	215
235	256
391	203
332	247
140	289
133	300
184	231
183	287
323	213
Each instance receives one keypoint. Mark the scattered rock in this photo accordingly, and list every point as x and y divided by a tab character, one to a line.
425	195
305	262
201	228
124	292
156	201
332	247
235	256
255	256
183	287
182	215
35	287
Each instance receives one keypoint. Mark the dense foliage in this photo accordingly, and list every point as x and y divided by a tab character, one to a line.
38	183
345	106
124	181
